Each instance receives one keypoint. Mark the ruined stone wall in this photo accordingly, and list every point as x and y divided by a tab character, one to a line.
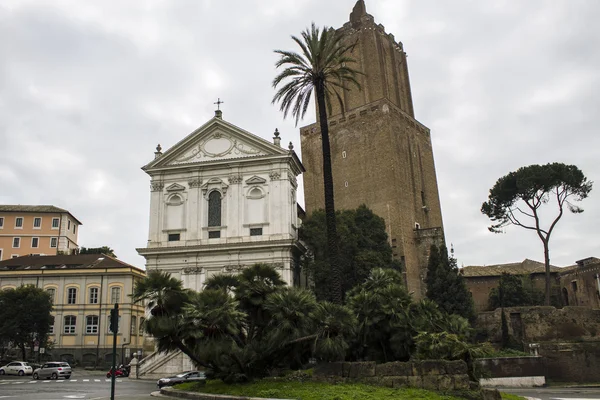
432	375
572	361
507	367
540	324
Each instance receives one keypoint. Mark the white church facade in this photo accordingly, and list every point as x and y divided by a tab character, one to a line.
222	199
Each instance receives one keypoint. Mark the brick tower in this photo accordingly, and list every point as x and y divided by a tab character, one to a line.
381	155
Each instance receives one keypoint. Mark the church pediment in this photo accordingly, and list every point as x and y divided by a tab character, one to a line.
175	188
255	180
216	140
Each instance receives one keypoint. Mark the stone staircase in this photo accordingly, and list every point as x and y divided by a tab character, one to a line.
159	365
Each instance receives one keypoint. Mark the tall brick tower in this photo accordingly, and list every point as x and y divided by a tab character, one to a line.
381	155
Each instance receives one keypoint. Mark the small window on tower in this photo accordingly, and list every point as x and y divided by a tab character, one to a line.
256	231
214	234
174	237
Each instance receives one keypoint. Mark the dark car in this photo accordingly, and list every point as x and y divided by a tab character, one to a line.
189	376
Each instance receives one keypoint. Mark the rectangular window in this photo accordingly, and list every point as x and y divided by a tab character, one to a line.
68	224
35	242
71	296
214	234
94	295
51	330
0	254
133	329
37	222
74	226
54	242
141	327
174	237
115	295
14	256
19	222
70	324
55	223
255	231
91	324
1	222
16	242
51	292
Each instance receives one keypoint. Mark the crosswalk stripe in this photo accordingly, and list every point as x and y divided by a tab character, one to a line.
46	381
33	382
18	383
73	380
96	380
86	380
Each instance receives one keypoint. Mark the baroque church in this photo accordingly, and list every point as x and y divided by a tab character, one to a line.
223	198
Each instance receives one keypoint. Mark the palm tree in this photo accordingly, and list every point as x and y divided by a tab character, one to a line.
165	297
322	66
162	293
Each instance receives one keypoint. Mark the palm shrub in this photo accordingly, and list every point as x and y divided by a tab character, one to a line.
239	328
389	321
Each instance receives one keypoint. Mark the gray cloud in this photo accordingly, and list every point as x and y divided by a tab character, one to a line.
87	90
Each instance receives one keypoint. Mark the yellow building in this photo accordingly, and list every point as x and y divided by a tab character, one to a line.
45	230
84	289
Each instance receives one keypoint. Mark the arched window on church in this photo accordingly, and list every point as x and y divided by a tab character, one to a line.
214	208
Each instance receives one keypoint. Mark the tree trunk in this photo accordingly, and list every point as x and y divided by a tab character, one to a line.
547	265
332	240
185	350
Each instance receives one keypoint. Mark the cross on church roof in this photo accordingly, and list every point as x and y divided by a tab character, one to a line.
218	103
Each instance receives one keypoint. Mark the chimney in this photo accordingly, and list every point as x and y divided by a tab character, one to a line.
276	138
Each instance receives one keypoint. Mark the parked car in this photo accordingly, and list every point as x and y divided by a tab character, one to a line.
53	370
16	368
189	376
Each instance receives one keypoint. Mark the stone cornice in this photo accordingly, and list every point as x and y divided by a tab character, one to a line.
207	248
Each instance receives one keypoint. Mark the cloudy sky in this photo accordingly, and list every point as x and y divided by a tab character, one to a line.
88	88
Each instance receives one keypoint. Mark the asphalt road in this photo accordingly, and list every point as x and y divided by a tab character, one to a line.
551	393
84	387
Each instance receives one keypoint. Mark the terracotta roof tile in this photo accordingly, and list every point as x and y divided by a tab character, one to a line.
520	268
35	209
79	261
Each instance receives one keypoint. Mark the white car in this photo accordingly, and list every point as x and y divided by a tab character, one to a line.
17	368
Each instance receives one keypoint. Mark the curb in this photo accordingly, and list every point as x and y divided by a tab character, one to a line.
170	392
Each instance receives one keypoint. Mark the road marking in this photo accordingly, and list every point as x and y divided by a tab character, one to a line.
18	383
96	380
73	380
75	396
57	381
571	398
86	380
33	382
